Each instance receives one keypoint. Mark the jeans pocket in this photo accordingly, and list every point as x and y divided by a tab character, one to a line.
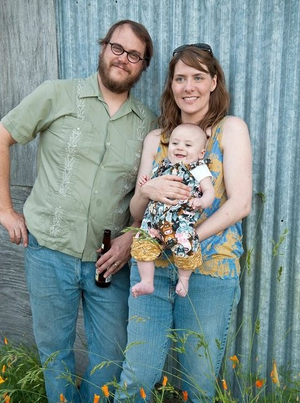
33	243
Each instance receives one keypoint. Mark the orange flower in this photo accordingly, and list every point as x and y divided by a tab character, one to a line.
259	383
6	398
165	380
5	341
96	398
274	374
62	398
234	360
225	387
2	380
185	395
105	390
142	393
3	368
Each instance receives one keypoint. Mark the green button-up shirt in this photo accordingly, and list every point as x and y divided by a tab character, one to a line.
87	163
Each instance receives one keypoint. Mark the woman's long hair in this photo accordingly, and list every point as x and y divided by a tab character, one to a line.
219	100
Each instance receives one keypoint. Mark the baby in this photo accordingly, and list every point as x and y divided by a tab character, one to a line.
173	226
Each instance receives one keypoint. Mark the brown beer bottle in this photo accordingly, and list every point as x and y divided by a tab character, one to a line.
99	279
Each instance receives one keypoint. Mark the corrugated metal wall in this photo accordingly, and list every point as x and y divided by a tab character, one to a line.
257	43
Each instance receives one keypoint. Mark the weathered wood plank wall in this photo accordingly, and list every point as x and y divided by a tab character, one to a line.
28	28
28	57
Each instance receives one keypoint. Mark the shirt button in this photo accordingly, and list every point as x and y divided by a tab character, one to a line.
108	143
96	192
102	167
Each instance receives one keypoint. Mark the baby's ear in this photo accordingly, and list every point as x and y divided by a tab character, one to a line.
202	152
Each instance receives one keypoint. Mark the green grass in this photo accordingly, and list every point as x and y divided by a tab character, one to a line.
21	381
22	378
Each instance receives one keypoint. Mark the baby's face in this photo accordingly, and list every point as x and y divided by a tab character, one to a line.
186	145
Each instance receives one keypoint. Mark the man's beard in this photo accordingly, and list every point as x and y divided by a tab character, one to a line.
118	87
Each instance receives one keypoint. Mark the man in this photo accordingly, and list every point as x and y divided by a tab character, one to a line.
89	150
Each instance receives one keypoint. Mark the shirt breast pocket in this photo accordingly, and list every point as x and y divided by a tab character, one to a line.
132	155
77	134
69	136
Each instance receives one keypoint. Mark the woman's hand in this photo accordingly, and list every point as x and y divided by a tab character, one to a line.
165	189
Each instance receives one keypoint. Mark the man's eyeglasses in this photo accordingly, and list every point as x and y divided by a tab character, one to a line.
118	50
202	46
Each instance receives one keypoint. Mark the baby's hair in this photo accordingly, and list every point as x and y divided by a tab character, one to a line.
165	140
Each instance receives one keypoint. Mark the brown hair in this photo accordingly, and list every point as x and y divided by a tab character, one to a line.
140	31
219	99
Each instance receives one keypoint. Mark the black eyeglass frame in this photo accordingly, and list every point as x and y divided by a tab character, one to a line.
202	46
129	54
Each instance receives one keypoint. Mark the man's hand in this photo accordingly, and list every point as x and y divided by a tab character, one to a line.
119	254
15	225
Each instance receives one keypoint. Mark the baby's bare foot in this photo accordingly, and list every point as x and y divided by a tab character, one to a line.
182	287
142	288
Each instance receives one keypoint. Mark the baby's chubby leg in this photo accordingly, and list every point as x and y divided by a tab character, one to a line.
146	285
182	286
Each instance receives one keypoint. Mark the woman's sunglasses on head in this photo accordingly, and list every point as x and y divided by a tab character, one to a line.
202	46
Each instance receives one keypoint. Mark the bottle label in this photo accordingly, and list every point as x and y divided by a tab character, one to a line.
98	278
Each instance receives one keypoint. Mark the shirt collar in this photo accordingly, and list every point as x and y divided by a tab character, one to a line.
91	89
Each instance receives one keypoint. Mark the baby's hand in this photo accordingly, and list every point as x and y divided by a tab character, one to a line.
196	203
143	179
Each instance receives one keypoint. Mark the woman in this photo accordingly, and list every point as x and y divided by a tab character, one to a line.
195	92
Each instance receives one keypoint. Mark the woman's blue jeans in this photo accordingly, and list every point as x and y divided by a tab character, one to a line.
200	322
57	283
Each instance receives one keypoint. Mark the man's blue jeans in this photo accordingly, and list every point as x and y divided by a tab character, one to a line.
57	283
200	322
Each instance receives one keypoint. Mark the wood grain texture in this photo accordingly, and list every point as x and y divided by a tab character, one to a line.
28	57
15	315
28	46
